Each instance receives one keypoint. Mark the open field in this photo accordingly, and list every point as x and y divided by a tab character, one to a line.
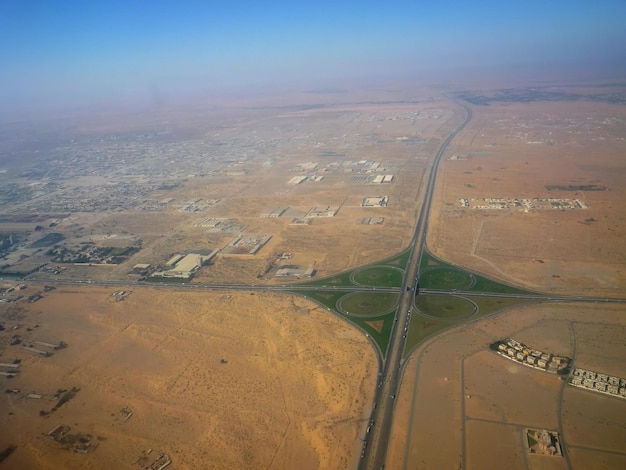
468	399
216	380
368	303
445	307
444	278
556	150
379	276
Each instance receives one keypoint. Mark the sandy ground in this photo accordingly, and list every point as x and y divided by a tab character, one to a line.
294	389
515	151
475	405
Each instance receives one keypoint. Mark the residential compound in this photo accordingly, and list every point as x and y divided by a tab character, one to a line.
522	354
597	382
581	378
522	204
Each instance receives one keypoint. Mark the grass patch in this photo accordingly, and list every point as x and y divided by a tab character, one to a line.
446	307
380	331
368	303
444	278
421	328
344	279
430	261
379	276
481	284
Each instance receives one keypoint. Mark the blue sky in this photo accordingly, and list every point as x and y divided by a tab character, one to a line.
81	50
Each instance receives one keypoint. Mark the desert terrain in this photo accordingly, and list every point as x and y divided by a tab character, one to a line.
227	378
476	405
224	379
560	150
215	380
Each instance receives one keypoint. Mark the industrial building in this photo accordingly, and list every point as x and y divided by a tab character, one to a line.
220	225
322	211
185	266
274	212
298	180
383	179
246	245
295	271
378	201
308	166
372	221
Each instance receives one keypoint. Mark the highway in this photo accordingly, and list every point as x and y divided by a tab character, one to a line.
378	430
194	286
377	439
295	287
376	442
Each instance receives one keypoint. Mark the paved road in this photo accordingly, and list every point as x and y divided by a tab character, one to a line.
192	286
530	296
379	427
376	442
292	287
377	439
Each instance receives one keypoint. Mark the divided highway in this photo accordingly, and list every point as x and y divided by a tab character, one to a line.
377	439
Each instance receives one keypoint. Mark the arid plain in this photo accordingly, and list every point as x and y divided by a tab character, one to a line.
526	151
242	379
216	380
474	404
226	379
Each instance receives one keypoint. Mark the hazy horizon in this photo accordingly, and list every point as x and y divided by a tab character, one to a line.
62	54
